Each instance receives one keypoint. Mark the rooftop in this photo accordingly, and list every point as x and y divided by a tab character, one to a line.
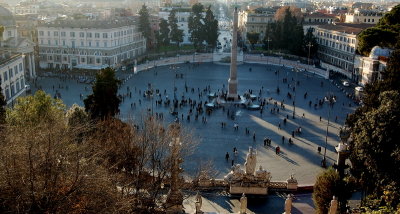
6	57
6	17
348	28
103	24
319	15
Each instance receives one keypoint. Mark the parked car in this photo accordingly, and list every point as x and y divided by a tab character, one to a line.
345	83
28	88
359	88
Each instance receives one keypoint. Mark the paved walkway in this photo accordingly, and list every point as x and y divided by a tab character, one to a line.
301	158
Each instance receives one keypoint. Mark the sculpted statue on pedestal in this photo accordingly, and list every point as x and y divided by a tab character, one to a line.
251	161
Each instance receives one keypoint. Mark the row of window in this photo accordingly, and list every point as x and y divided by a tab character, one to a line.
336	54
12	90
368	20
261	19
88	34
104	44
11	71
336	45
336	37
319	20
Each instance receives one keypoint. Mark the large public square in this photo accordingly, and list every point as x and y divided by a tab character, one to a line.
300	158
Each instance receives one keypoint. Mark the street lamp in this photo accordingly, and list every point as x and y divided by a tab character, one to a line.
194	54
295	84
309	45
268	40
277	81
330	99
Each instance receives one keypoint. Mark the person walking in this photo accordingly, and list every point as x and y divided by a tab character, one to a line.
227	156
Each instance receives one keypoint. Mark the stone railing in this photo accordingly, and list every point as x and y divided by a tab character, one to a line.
288	185
277	185
260	59
247	58
195	58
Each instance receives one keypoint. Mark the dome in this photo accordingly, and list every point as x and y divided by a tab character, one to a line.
377	51
6	18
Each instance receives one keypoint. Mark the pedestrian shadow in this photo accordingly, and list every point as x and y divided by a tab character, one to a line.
283	155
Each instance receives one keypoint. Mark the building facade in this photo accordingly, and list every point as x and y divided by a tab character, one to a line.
255	21
89	44
182	14
12	78
370	68
337	47
11	41
318	18
364	16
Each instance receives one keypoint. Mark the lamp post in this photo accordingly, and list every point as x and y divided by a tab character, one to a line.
309	45
330	99
295	84
268	40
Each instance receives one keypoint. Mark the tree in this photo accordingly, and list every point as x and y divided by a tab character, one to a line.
196	25
44	170
325	188
176	34
211	28
104	101
375	147
253	38
287	33
144	23
385	33
391	18
294	11
310	44
140	159
375	36
164	32
31	110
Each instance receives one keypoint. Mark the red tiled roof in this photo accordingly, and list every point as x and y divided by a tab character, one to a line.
346	27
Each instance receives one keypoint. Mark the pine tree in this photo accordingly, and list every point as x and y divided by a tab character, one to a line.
164	32
104	102
144	24
176	34
196	25
211	28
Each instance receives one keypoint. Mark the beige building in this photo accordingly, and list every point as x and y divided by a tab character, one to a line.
364	16
369	68
255	21
12	78
318	18
89	44
12	42
337	47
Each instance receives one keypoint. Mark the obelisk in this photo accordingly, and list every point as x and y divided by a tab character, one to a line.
232	81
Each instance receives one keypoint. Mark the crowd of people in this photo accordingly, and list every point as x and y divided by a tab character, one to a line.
187	104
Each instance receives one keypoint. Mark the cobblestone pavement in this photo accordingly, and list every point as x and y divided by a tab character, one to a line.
301	158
